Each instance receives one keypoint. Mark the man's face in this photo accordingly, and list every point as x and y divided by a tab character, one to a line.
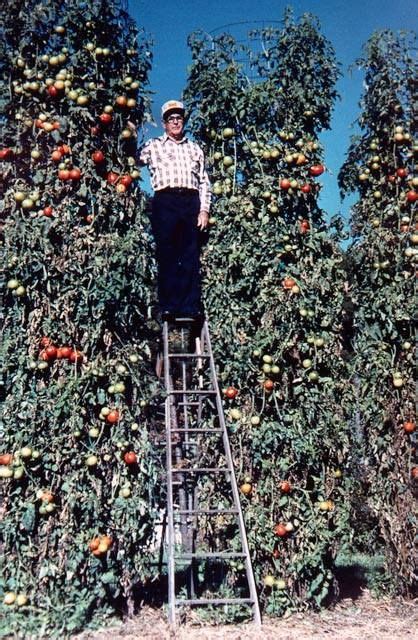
173	125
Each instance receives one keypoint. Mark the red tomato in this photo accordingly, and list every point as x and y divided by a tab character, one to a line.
105	118
6	458
316	170
51	352
412	196
98	157
126	181
280	530
268	385
130	457
94	131
391	178
112	177
285	486
409	427
288	283
285	184
56	155
304	226
64	174
46	496
53	91
64	149
94	544
113	416
402	172
306	188
231	393
48	211
5	153
66	352
414	473
75	174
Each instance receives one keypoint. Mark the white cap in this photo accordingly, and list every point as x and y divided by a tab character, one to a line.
172	105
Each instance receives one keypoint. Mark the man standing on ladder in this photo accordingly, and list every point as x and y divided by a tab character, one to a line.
180	208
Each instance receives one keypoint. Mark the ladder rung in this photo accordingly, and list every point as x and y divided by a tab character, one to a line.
209	554
210	512
195	430
202	470
188	404
208	392
185	319
189	355
204	601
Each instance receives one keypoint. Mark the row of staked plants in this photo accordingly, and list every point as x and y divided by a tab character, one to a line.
314	344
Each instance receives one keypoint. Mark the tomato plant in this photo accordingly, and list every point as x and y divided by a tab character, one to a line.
76	310
274	299
382	272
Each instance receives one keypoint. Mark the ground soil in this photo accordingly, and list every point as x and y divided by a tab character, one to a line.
361	619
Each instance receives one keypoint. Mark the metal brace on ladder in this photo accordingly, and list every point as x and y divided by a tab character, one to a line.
193	406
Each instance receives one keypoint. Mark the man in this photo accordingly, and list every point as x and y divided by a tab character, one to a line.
180	208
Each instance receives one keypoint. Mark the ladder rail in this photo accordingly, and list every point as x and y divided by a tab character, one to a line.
233	480
170	511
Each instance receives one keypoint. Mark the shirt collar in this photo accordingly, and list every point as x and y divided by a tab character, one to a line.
165	138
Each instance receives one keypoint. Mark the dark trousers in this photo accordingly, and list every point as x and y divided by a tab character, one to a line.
174	225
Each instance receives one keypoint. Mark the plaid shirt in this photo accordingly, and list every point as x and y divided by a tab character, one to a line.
173	164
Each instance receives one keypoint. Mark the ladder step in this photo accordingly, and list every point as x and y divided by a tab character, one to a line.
184	319
204	601
195	430
207	392
209	554
189	355
211	512
202	470
188	404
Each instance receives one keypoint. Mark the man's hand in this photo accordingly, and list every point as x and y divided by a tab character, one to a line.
202	220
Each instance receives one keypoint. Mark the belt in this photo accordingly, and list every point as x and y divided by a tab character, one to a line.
178	190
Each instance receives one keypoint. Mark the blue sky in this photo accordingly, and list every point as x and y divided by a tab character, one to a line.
348	24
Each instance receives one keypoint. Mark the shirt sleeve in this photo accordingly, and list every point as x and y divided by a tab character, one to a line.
144	154
204	185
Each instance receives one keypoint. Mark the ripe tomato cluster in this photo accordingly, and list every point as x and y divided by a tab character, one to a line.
122	182
51	352
100	545
288	283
